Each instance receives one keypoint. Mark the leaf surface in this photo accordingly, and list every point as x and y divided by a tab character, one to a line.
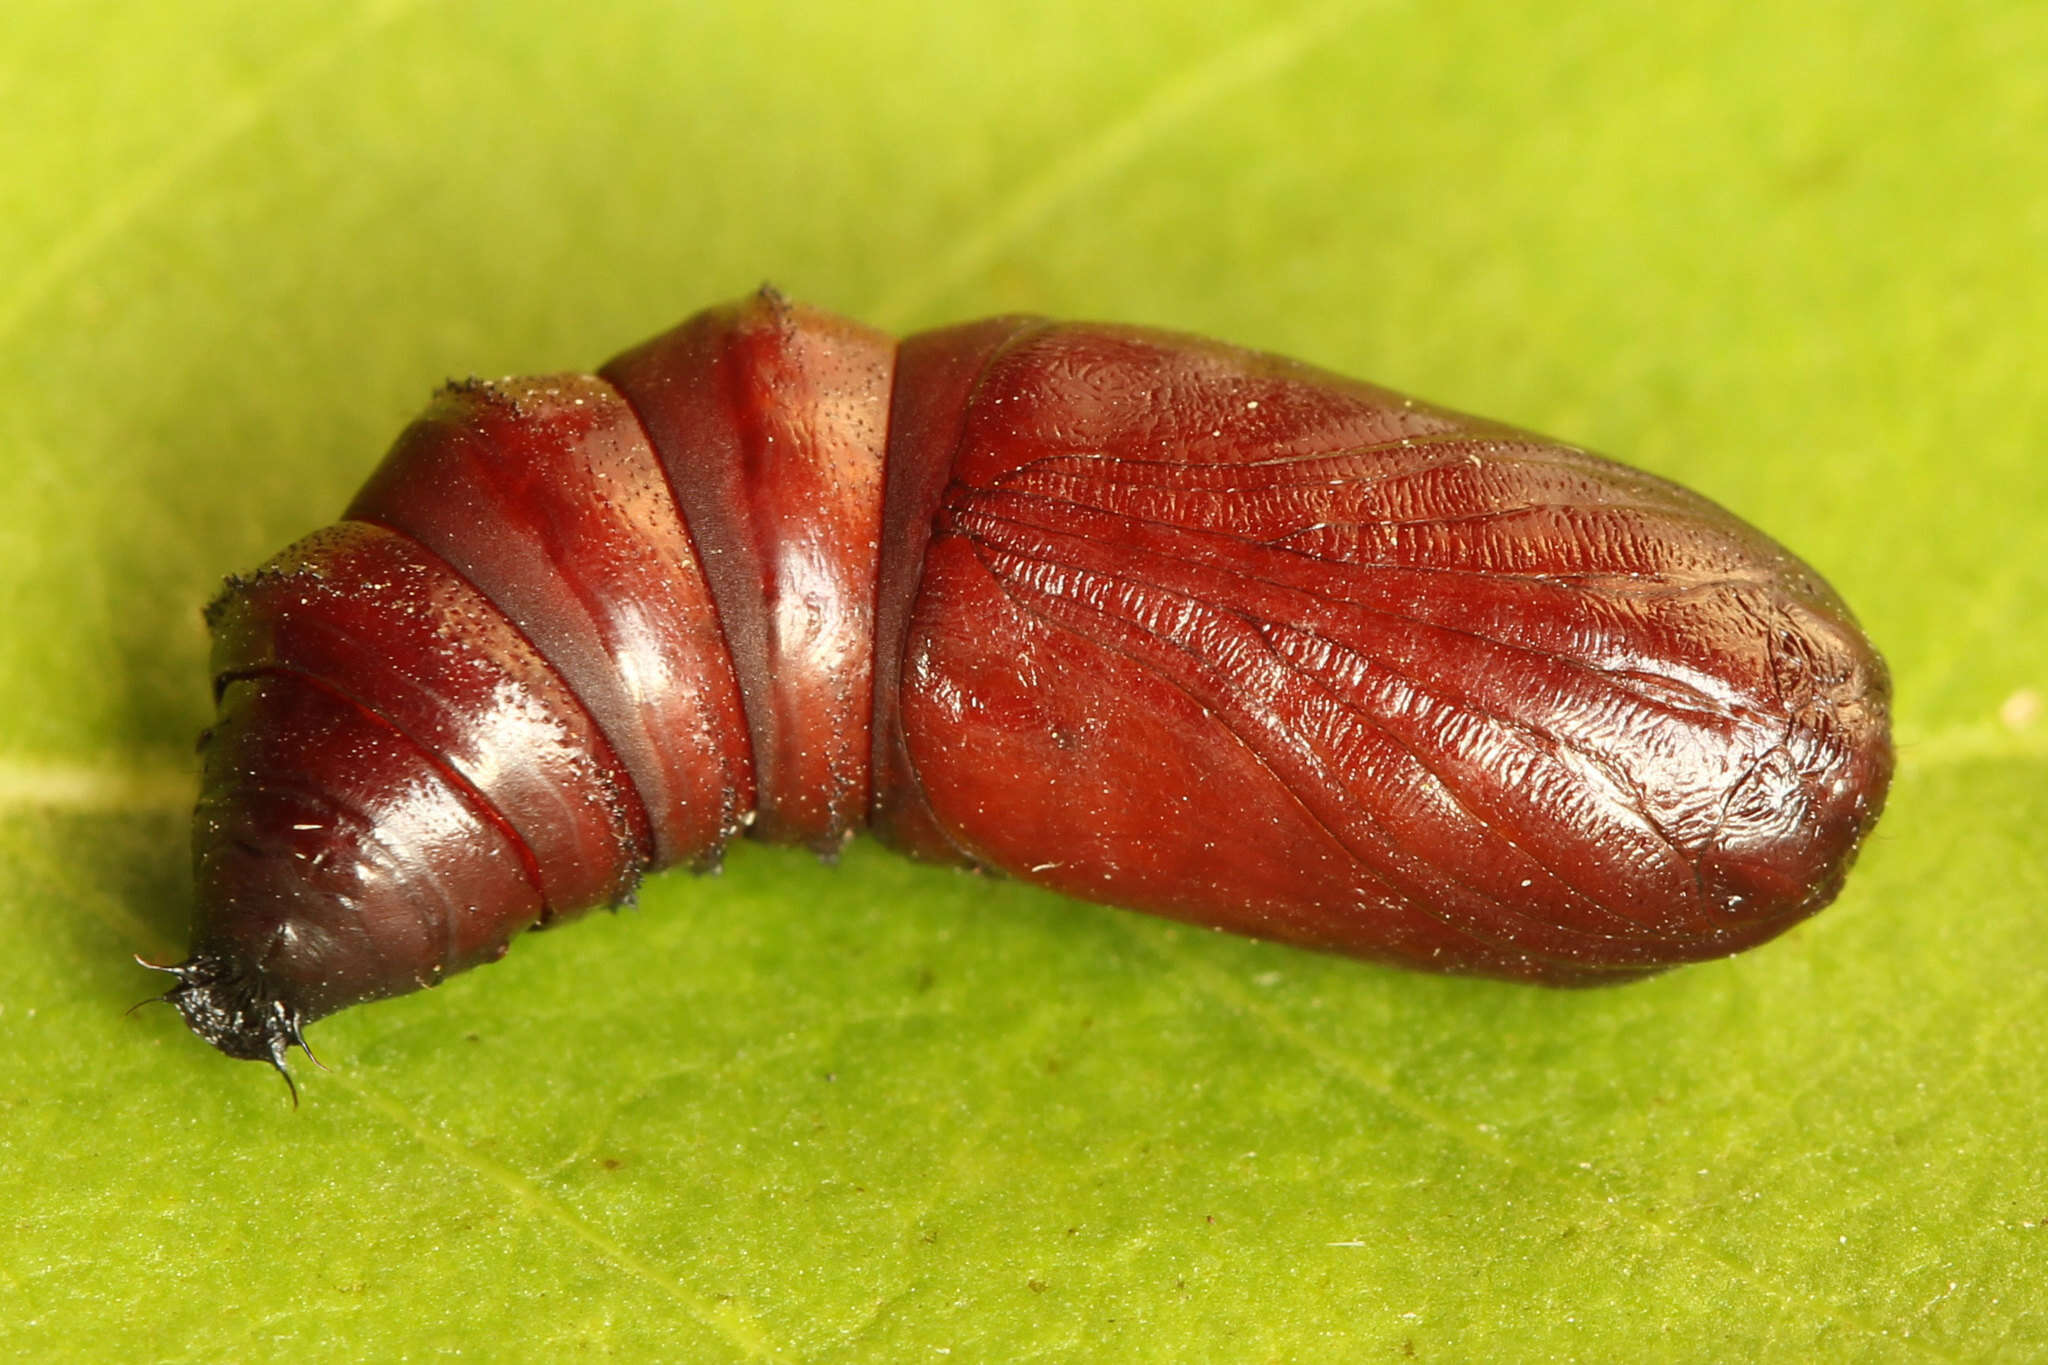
1792	257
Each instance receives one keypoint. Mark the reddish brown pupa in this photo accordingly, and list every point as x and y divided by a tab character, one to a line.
1146	619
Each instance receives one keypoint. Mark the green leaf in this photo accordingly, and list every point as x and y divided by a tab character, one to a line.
1794	255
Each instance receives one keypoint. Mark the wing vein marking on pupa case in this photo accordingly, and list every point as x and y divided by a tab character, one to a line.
1711	705
1373	871
1635	930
